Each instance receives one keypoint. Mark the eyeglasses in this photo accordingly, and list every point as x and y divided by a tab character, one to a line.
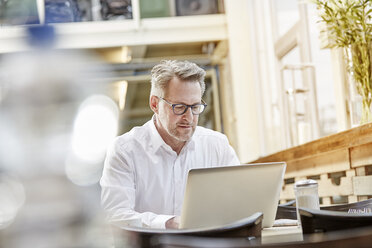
180	109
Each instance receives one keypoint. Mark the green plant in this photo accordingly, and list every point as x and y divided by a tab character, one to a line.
349	25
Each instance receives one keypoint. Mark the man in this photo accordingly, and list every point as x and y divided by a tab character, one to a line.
145	171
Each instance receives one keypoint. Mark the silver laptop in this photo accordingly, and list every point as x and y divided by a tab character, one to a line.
222	195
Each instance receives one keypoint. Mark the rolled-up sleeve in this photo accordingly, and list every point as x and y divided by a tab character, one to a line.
118	195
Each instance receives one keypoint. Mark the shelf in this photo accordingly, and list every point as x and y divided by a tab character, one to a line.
167	30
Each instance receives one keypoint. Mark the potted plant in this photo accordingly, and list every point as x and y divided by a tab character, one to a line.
348	24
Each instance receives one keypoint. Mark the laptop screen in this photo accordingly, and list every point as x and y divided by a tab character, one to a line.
222	195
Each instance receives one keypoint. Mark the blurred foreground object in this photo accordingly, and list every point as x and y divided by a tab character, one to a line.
54	117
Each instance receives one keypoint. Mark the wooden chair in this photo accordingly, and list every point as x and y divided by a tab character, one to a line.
247	228
314	221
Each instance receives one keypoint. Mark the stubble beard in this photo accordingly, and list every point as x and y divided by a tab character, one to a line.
183	137
173	130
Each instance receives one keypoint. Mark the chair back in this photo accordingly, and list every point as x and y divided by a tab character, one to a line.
354	238
315	221
288	210
247	228
356	207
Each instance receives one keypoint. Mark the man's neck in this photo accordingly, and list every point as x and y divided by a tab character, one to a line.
175	144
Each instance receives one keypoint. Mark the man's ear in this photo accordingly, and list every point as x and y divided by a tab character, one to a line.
154	104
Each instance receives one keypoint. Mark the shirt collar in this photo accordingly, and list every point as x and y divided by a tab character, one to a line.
157	140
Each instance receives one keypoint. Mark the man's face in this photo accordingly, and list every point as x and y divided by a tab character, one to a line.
179	128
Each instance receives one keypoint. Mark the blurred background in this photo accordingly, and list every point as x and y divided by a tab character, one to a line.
76	73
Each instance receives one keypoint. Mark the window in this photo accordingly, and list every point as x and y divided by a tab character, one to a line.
301	103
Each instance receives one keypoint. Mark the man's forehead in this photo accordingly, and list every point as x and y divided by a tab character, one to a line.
183	90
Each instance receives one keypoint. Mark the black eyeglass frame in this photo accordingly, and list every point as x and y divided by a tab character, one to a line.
173	105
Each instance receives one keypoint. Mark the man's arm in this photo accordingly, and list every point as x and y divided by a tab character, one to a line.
118	193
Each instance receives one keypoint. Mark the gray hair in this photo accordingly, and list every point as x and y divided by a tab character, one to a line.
166	70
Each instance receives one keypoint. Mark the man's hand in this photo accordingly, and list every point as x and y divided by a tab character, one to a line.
173	223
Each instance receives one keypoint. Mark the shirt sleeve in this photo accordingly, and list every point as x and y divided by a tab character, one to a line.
229	156
118	192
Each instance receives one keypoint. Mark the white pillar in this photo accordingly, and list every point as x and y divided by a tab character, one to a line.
245	98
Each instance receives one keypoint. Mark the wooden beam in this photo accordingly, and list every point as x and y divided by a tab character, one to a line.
361	155
329	162
220	53
349	138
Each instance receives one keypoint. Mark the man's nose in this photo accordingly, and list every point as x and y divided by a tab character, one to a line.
188	115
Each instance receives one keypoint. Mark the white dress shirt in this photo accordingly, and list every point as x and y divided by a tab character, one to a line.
143	180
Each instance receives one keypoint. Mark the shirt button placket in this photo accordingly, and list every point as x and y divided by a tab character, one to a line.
177	184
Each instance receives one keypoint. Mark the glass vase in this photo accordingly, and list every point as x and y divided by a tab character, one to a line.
359	62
